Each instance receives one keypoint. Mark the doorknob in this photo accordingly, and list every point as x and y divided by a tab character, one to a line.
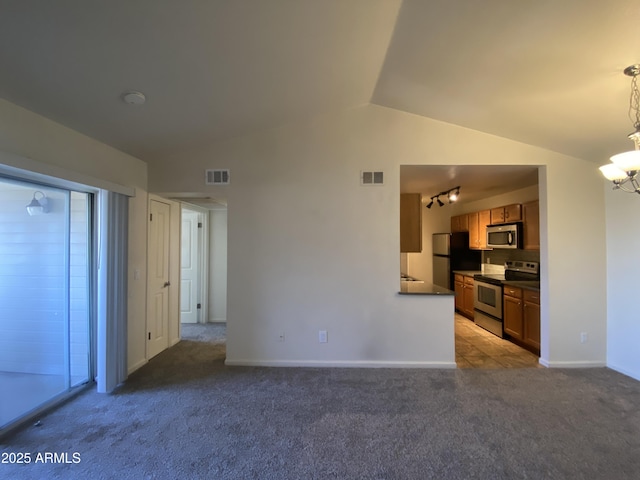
167	283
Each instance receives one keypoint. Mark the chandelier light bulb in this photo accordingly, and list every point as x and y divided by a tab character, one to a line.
627	161
613	173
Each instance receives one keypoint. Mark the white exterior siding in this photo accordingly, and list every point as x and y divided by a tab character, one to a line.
33	283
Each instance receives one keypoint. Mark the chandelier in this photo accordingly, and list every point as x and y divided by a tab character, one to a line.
451	194
624	169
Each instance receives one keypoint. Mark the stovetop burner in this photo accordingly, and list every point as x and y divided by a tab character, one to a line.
514	270
495	279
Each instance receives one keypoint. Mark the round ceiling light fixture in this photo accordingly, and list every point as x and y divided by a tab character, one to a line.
134	98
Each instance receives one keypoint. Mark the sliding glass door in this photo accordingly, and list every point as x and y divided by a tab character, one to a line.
45	292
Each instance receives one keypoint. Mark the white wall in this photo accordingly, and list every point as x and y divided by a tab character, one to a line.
310	249
218	265
66	154
623	285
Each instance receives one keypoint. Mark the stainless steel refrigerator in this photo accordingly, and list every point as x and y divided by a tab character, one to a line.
451	252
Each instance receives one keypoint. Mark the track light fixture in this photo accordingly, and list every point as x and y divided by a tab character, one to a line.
452	195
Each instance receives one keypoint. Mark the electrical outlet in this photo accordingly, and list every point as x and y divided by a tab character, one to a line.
584	337
281	337
322	336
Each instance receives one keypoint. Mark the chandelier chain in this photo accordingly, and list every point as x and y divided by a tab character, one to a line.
634	103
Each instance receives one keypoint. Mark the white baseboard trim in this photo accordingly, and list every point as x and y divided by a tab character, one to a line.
136	366
576	364
217	320
624	371
336	364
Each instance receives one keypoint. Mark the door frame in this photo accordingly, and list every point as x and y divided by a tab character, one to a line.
203	259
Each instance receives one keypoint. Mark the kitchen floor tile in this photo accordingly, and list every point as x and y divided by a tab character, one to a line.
483	361
477	348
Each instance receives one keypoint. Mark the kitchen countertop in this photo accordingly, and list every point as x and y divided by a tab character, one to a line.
525	284
468	273
416	288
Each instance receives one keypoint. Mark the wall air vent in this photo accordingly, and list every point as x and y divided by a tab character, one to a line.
371	178
217	177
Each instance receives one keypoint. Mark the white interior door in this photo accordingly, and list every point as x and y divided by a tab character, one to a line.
189	267
158	281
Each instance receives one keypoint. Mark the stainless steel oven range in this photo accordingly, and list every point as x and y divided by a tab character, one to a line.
487	298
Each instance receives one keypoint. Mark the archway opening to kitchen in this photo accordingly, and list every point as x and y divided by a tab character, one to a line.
450	249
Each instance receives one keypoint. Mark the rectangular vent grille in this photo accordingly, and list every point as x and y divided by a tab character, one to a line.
371	178
218	177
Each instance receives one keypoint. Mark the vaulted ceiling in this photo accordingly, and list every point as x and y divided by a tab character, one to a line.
543	72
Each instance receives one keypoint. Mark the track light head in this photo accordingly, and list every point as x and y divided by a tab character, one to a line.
452	195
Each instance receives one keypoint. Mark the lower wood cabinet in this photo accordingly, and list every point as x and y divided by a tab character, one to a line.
463	285
521	317
459	289
531	318
468	296
512	312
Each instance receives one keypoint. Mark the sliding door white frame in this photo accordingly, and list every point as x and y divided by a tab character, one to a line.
112	232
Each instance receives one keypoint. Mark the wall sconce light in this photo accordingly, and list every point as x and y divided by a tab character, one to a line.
38	206
452	195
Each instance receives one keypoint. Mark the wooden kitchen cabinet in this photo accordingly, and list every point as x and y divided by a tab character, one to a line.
512	312
468	296
521	317
458	283
410	222
531	319
506	214
531	225
460	223
478	222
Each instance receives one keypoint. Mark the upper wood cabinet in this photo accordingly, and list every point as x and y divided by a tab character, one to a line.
531	225
460	223
478	222
506	214
410	222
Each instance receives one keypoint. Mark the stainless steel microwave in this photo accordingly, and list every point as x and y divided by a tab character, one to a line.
504	236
